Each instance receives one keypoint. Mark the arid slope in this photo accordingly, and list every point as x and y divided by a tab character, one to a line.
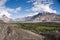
10	32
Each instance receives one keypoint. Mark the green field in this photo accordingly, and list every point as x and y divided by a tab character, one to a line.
39	27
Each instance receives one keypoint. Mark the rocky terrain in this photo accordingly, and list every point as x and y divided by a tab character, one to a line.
10	32
46	17
52	35
42	17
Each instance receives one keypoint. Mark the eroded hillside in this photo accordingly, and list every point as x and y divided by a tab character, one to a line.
10	32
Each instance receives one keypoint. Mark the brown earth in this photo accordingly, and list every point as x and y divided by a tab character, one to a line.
10	32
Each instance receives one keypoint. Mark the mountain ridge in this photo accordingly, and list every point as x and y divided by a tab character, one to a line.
43	17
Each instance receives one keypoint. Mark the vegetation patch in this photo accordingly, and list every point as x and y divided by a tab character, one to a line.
40	27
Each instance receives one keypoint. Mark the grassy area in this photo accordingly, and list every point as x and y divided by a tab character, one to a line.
39	27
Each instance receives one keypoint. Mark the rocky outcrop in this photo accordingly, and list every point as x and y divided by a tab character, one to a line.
10	32
54	35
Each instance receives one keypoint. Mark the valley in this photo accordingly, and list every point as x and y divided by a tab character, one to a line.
30	31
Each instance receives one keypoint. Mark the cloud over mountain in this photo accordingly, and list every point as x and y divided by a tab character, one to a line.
42	5
17	8
7	11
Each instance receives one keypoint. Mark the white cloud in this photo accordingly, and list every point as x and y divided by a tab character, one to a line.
2	2
3	11
31	14
30	1
16	10
26	15
42	5
7	11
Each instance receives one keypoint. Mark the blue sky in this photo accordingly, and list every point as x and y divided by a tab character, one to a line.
23	8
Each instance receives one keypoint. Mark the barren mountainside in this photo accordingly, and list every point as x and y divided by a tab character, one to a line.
42	17
46	17
9	32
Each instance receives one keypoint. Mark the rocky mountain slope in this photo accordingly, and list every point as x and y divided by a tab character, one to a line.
10	32
5	19
43	17
46	17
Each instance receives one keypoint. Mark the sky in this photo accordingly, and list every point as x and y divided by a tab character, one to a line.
22	8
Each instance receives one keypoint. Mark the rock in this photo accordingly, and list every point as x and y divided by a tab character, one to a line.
52	35
10	32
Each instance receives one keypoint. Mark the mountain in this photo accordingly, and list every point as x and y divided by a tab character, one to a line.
46	17
10	32
28	18
42	17
1	21
4	18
